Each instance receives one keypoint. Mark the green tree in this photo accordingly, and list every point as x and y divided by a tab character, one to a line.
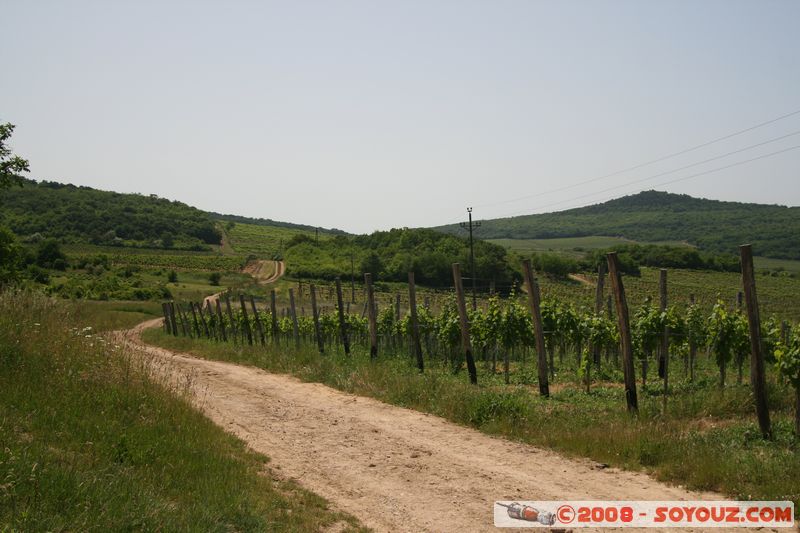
10	256
372	263
49	255
214	278
11	166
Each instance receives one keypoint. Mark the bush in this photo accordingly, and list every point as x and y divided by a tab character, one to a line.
172	276
214	278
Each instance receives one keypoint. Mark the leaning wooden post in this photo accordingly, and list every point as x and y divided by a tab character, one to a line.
536	314
315	312
203	320
662	289
247	329
757	378
464	319
412	306
342	321
373	326
273	311
624	331
234	329
221	322
257	319
295	326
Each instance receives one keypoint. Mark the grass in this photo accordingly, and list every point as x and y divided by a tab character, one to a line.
708	438
90	442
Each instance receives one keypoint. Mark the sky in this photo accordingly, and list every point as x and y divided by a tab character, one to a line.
366	115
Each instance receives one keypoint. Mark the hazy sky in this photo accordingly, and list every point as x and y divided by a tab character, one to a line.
367	115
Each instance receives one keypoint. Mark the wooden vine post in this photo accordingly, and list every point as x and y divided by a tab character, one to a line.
167	324
295	326
234	329
464	321
273	311
412	306
342	321
208	320
534	301
315	312
194	320
373	326
221	321
757	378
247	331
624	332
257	319
171	307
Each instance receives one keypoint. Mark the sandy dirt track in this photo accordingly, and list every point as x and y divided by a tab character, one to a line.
393	468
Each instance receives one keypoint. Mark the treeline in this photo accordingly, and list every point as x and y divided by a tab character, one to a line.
390	255
72	214
634	256
651	216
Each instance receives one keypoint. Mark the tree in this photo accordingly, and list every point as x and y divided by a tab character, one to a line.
49	255
10	256
372	263
214	278
11	166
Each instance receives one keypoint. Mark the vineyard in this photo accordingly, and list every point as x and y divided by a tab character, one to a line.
301	328
704	345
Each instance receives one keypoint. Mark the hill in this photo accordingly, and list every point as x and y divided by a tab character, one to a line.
654	216
84	215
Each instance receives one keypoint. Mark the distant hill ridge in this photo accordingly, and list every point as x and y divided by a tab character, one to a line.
713	225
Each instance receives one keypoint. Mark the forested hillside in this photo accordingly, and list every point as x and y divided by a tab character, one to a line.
651	216
75	214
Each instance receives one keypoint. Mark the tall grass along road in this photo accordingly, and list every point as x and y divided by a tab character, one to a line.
393	468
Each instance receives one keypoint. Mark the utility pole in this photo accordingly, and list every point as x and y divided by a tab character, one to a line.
470	226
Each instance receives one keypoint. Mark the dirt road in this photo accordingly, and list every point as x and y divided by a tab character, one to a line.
393	468
264	272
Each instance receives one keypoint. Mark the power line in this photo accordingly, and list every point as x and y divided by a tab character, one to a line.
647	163
711	171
